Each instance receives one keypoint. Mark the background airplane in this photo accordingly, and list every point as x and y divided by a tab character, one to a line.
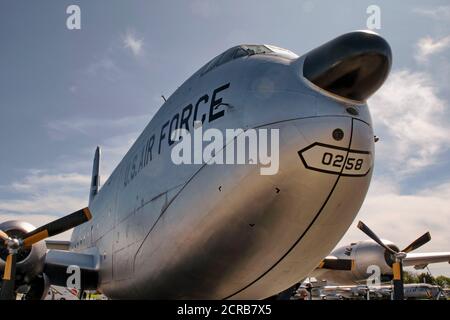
378	260
368	253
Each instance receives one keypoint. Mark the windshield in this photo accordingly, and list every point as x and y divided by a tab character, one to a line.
235	53
257	49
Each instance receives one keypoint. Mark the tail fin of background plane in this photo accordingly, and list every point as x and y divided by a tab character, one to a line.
95	180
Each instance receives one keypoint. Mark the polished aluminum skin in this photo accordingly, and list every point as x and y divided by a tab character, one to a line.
225	231
365	254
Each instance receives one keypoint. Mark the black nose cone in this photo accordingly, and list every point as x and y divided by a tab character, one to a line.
352	66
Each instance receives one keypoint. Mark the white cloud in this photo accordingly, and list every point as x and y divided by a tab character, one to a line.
59	129
130	41
104	64
115	136
37	180
108	63
402	218
437	13
61	189
55	203
408	116
428	46
43	193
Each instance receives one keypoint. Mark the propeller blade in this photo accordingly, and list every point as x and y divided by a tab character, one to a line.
58	226
3	235
373	236
418	242
337	264
7	291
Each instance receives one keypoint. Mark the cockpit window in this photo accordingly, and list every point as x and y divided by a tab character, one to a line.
235	53
240	52
226	57
257	49
210	65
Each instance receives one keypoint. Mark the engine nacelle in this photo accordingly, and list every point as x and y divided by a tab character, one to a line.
30	262
368	256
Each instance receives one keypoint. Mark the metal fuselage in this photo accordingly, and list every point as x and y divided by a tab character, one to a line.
225	231
366	255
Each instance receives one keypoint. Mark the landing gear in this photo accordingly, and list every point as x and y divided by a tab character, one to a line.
38	288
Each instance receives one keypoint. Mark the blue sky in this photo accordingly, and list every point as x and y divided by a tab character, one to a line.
63	92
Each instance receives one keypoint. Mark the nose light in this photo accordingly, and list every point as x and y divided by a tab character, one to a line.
338	134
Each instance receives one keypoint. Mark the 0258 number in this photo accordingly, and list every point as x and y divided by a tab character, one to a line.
337	161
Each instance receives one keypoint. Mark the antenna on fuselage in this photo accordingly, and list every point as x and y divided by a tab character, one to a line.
164	98
95	180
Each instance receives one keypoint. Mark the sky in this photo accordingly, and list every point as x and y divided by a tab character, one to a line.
63	92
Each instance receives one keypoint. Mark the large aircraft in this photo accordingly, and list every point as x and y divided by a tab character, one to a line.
376	261
159	230
367	253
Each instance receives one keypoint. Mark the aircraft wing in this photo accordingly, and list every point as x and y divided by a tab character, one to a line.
339	288
334	263
421	260
60	265
57	244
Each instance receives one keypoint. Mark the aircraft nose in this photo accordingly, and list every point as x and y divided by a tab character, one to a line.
352	66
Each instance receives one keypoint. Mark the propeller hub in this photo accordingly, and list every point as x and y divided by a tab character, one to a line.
400	255
13	245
